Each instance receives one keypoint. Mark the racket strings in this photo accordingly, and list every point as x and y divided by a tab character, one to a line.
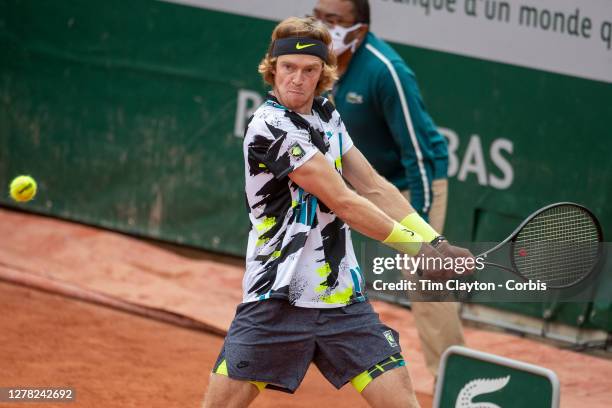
558	246
557	268
549	228
554	264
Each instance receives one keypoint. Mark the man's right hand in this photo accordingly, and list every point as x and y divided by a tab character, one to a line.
455	252
436	265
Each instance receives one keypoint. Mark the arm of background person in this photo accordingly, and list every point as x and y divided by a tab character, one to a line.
410	125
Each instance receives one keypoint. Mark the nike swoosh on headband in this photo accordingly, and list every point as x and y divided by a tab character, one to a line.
299	46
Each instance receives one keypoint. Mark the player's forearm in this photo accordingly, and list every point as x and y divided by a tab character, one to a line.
363	216
388	198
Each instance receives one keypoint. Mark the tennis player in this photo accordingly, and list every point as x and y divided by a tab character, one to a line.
304	294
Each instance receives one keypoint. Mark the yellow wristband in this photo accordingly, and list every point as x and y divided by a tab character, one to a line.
404	240
417	224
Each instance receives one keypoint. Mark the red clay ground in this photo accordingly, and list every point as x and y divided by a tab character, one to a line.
116	359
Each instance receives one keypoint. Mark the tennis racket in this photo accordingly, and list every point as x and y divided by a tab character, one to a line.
560	245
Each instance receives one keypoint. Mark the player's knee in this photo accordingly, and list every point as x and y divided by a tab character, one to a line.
362	380
224	392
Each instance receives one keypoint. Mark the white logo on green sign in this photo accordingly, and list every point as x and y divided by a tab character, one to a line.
477	387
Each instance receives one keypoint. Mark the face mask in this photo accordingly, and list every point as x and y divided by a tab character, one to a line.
338	34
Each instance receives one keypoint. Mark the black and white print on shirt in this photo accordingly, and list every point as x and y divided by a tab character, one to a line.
298	249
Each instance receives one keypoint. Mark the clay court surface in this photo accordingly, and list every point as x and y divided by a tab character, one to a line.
116	358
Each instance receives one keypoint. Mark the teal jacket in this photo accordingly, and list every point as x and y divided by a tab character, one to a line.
381	106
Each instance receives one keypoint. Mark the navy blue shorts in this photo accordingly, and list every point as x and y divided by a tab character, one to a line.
274	342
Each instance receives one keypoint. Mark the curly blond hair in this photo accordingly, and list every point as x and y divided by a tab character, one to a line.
307	27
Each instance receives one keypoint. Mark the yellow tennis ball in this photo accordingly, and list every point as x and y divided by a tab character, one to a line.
23	188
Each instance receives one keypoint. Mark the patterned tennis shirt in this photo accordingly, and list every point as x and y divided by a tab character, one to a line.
298	249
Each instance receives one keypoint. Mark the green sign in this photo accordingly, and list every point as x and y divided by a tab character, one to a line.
471	379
